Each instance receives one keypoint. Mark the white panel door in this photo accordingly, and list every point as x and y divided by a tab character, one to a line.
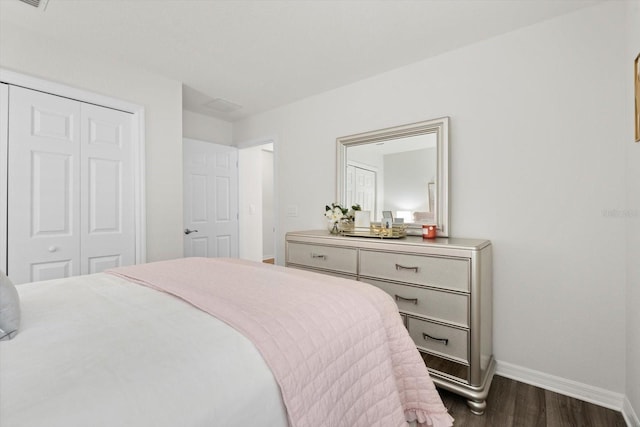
360	188
43	186
107	205
350	186
365	189
210	199
4	138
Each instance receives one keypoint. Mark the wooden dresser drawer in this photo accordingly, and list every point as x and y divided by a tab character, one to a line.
344	260
449	273
440	339
439	305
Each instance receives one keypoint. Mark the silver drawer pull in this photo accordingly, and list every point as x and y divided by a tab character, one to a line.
402	267
318	256
413	300
428	337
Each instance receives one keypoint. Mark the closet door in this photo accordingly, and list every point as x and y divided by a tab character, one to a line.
107	208
70	187
43	186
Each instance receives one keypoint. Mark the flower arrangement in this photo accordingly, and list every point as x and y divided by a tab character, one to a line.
336	214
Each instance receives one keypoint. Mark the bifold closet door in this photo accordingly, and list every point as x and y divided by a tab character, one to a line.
70	197
43	186
107	232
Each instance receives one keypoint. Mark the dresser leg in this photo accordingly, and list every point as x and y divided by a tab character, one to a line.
477	406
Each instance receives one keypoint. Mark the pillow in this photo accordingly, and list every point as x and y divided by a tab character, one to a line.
9	308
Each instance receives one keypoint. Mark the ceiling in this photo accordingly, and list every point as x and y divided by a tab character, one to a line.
261	54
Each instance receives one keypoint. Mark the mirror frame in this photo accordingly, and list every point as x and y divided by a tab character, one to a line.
438	126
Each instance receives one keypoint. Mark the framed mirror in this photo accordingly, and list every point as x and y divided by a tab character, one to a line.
403	169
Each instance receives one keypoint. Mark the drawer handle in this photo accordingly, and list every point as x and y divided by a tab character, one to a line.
402	267
413	300
318	256
428	337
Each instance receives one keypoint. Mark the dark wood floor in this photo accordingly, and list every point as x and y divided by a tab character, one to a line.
512	403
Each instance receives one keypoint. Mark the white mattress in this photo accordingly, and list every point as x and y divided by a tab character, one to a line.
100	351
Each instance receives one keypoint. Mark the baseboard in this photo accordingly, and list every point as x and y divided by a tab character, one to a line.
630	416
588	393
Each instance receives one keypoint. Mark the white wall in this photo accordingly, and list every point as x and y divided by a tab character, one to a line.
633	225
538	144
407	176
204	128
41	57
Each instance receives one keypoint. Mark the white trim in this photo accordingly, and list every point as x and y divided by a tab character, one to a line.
35	83
137	139
630	416
276	200
140	172
4	130
581	391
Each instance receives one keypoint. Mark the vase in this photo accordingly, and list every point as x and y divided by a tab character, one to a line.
333	227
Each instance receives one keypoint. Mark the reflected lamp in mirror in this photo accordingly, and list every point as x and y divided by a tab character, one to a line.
403	169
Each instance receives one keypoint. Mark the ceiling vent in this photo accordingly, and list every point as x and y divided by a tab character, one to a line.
42	4
222	106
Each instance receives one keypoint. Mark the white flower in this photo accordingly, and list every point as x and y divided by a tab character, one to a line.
334	215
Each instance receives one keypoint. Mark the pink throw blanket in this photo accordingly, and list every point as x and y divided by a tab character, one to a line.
337	348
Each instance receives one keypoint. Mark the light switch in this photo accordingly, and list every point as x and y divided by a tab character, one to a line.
292	211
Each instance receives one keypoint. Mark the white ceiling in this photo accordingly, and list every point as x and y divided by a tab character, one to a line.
262	54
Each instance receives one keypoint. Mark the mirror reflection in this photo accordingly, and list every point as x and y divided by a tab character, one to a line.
402	169
397	175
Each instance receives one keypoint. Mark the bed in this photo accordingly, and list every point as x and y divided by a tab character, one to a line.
212	342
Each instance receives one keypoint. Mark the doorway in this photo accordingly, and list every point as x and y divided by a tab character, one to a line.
257	201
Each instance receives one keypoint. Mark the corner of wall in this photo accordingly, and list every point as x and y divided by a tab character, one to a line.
631	407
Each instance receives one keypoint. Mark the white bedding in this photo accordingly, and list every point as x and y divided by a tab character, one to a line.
99	341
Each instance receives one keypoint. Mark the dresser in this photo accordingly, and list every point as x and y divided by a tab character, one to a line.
443	289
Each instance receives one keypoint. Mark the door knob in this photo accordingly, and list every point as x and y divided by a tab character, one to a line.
52	248
187	231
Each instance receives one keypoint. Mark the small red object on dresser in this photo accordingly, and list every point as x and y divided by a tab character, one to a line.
428	231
